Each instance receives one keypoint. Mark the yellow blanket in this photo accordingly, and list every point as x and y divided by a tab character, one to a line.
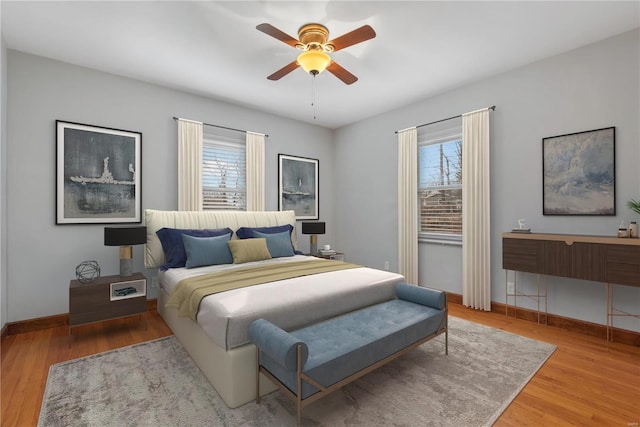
189	292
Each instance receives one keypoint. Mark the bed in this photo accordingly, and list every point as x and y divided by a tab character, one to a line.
217	338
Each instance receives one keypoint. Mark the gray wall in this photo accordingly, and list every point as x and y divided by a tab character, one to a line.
3	183
592	87
589	88
43	256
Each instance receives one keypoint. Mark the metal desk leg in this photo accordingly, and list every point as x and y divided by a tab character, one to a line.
609	311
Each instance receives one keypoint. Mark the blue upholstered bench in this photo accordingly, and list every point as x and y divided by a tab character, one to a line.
311	362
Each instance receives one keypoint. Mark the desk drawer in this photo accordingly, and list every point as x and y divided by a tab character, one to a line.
523	255
623	265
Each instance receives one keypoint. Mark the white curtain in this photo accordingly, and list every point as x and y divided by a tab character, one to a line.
255	171
476	248
189	165
408	204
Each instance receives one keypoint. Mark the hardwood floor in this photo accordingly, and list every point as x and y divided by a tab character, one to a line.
585	382
26	358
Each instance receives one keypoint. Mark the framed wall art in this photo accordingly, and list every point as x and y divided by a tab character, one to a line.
97	174
578	173
298	181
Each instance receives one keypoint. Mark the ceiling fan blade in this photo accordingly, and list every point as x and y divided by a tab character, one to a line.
284	71
337	70
354	37
276	33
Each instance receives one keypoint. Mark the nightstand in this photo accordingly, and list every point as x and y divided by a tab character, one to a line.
105	298
338	256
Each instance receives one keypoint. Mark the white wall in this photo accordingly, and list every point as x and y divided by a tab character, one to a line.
3	183
43	256
589	88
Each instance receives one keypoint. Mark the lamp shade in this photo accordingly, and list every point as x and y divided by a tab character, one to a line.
124	236
313	228
314	61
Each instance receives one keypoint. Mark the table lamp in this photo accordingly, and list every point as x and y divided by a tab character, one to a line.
125	237
313	228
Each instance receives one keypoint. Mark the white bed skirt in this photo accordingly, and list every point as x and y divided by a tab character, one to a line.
232	373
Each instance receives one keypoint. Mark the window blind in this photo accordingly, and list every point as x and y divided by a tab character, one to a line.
224	183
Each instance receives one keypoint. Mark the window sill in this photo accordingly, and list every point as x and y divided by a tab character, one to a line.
450	241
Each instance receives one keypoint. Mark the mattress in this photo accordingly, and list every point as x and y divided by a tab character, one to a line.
289	304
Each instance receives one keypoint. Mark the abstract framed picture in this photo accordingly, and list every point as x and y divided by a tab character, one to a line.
578	173
298	186
97	174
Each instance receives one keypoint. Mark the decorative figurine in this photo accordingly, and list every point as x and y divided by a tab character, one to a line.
87	271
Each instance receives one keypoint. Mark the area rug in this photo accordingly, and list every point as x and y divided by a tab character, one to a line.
157	384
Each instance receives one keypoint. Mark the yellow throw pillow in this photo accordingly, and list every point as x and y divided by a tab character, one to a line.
246	250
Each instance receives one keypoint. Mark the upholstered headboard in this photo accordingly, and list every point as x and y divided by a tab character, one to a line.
155	220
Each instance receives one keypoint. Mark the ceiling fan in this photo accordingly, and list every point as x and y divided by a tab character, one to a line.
315	48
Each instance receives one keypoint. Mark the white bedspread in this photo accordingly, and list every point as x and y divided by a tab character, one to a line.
290	303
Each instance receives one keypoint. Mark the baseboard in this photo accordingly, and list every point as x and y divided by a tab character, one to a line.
454	298
592	329
40	323
5	332
31	325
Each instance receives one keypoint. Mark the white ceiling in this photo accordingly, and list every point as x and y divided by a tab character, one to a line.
213	48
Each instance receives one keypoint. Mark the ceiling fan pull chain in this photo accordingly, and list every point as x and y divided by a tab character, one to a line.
313	95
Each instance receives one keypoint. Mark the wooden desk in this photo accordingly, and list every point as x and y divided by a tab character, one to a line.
611	260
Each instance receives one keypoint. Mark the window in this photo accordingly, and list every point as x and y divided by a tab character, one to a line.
224	183
440	185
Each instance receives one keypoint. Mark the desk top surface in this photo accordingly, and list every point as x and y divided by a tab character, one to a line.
571	238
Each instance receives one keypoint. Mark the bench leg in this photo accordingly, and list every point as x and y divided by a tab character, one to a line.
446	342
257	375
299	390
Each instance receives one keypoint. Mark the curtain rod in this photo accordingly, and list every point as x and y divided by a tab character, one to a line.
493	107
222	127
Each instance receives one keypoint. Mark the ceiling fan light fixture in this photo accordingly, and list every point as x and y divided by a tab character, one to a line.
314	43
314	61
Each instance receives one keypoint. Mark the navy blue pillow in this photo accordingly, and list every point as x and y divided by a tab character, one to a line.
247	232
173	246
